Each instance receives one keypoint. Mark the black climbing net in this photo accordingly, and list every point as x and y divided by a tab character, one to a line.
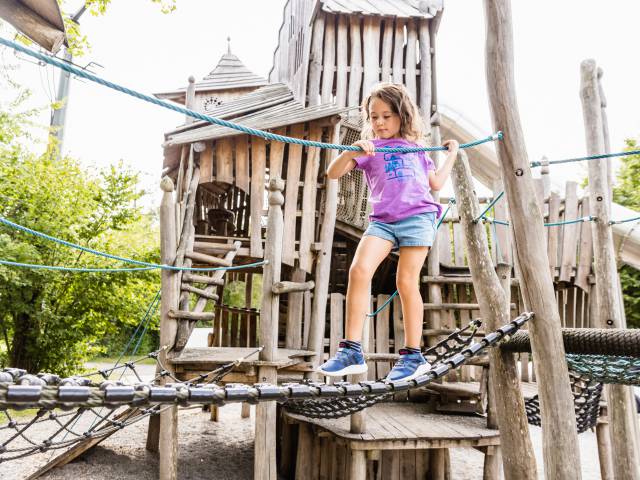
452	345
60	426
586	399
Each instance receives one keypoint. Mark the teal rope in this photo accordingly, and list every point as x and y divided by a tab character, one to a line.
384	305
489	207
61	268
626	220
589	218
151	266
73	269
218	121
589	157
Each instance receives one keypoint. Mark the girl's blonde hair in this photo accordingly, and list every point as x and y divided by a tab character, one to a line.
396	96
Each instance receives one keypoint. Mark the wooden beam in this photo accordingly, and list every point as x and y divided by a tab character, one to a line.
559	432
626	464
519	460
32	25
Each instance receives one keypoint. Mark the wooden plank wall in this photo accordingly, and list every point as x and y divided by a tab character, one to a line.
236	171
291	57
343	70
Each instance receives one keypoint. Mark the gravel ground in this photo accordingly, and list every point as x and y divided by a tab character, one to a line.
225	447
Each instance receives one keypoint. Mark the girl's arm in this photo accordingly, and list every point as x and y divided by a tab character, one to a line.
437	179
345	162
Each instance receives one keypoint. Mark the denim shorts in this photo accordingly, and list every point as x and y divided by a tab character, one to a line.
414	231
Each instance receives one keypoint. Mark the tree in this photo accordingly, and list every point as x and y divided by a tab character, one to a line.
54	320
627	193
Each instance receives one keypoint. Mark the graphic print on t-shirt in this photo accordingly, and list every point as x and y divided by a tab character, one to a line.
398	166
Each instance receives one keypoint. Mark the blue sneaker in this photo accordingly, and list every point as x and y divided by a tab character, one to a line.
409	366
347	361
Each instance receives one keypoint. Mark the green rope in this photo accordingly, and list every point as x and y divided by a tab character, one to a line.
606	369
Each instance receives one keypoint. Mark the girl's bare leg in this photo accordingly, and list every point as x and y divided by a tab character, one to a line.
408	283
370	253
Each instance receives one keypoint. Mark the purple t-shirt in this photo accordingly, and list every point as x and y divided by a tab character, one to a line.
398	182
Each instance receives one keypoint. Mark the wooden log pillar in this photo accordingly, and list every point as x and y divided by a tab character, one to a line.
518	457
604	449
323	265
626	464
170	293
265	467
358	465
560	439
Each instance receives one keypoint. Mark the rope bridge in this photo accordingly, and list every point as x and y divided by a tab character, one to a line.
55	397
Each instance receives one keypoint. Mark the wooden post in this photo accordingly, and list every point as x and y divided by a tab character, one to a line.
168	438
560	439
604	449
518	457
358	465
190	98
626	464
265	437
323	265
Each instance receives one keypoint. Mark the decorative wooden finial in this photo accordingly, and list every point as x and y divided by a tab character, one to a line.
166	184
229	45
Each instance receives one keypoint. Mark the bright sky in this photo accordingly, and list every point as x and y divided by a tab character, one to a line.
146	50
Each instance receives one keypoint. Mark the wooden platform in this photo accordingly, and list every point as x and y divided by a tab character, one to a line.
195	361
407	426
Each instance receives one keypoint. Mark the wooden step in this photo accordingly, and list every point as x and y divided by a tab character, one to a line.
194	316
211	260
456	279
191	278
456	306
200	292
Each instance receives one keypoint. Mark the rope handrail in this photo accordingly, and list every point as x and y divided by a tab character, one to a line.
588	218
147	265
538	163
218	121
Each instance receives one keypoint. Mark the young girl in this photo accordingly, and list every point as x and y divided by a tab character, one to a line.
403	217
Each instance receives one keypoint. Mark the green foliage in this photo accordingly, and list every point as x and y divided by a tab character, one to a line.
53	321
234	293
627	193
627	189
78	42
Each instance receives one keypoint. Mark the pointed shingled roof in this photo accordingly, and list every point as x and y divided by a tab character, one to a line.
228	74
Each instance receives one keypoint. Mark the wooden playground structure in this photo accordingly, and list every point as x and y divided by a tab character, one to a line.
233	199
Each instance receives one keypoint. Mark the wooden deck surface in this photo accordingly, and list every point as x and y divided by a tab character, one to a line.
403	425
529	389
223	355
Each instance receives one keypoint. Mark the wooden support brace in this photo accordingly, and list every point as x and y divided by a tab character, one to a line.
286	287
